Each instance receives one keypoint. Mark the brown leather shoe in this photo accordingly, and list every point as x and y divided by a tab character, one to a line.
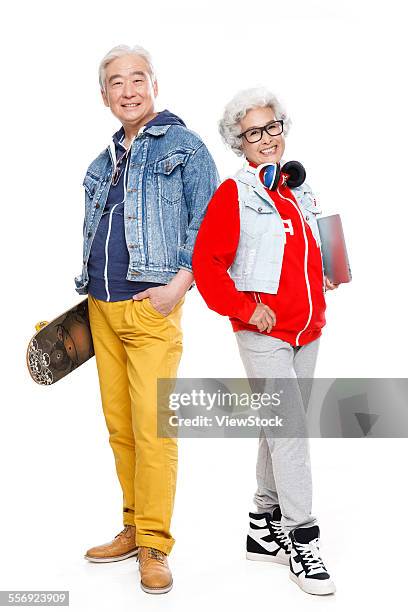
121	547
155	574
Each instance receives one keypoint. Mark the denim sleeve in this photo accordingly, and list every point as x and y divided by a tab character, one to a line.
200	181
78	282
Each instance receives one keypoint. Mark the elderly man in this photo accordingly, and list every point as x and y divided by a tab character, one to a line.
145	197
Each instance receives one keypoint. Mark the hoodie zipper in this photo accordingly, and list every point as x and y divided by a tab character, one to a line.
309	297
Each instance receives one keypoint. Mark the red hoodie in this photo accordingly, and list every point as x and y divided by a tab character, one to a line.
299	304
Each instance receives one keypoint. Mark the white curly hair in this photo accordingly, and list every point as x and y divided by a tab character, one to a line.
237	108
119	51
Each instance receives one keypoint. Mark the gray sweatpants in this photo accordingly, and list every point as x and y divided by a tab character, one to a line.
283	467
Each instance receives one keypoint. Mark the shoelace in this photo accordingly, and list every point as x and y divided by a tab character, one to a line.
282	535
153	553
311	554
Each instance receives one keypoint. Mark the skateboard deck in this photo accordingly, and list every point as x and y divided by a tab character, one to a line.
60	346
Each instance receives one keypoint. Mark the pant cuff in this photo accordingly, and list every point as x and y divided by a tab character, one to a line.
163	544
291	526
128	518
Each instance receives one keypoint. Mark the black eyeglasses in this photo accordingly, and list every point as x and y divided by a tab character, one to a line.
274	128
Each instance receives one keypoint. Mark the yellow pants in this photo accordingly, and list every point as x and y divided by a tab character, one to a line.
134	345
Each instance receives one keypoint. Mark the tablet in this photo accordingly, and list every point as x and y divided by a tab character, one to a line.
335	259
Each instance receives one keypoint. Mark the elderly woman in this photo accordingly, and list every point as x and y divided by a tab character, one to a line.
257	259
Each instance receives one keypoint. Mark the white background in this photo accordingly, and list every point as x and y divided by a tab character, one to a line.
340	70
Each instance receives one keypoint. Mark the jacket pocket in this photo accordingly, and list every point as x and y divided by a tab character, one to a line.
308	202
310	210
90	184
168	179
256	218
93	187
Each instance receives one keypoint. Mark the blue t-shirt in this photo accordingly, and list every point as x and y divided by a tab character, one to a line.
109	257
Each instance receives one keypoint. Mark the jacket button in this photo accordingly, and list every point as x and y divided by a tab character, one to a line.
307	218
259	209
89	234
97	205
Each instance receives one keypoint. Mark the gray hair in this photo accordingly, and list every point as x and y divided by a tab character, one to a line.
119	51
237	108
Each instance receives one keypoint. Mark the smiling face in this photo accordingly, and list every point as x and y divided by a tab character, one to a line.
269	148
129	91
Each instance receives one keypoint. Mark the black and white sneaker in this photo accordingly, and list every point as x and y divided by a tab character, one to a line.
266	540
306	566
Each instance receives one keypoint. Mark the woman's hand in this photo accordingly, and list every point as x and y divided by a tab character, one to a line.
328	284
263	317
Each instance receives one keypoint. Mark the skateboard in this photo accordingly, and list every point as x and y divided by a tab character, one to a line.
60	346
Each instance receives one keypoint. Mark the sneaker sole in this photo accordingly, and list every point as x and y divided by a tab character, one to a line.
268	558
156	591
131	553
314	589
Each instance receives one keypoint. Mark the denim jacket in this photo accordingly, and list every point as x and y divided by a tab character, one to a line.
258	261
172	177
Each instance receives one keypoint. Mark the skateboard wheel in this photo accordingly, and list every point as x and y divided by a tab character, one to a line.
40	325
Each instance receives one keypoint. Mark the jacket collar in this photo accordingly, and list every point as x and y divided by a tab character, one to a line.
247	175
157	130
154	130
